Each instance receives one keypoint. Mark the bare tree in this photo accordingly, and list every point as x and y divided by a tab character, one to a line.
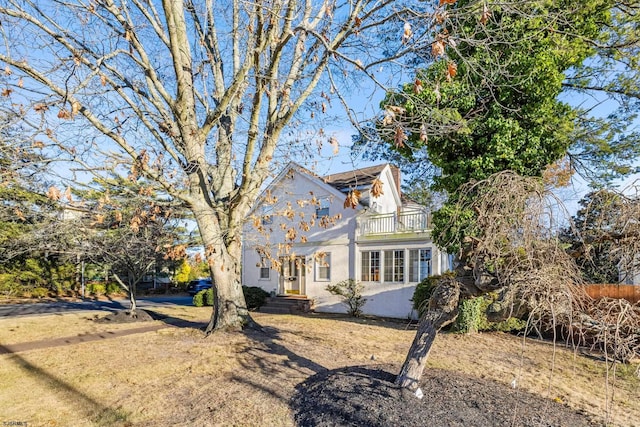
199	97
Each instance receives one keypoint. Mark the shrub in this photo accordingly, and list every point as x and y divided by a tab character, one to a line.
204	298
254	296
96	288
39	292
9	285
351	293
472	317
198	299
208	297
423	292
112	288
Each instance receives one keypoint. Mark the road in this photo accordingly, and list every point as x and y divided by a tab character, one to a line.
30	309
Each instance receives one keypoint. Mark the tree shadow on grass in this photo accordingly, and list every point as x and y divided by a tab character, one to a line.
383	322
99	413
269	365
175	321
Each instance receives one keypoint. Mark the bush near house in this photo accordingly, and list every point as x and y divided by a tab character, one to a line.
350	292
254	296
422	293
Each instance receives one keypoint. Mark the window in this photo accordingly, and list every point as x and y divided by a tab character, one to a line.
265	271
323	209
323	267
370	266
267	215
419	264
394	266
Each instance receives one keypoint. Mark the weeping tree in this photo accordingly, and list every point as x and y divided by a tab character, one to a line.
513	247
495	99
202	99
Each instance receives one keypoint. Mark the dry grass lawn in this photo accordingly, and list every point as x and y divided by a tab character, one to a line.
176	376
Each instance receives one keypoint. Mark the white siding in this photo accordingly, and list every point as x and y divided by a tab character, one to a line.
295	189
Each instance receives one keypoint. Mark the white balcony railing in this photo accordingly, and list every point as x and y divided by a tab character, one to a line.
393	223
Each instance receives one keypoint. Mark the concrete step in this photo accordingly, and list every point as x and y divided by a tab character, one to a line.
295	304
275	310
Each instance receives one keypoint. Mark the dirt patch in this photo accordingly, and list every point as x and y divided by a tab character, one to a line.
126	316
359	396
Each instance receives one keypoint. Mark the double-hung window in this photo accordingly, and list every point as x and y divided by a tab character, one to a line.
323	268
265	271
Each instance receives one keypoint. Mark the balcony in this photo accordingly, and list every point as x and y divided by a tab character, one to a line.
406	222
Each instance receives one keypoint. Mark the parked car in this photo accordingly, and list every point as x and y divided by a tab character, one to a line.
196	286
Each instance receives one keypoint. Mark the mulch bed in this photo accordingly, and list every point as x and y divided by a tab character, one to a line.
365	396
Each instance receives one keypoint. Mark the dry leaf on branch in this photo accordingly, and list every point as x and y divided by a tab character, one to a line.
486	13
417	87
443	2
400	137
291	234
64	114
452	70
67	194
437	49
407	33
376	188
352	200
334	143
53	194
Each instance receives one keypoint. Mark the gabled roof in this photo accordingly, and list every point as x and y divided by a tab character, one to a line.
344	181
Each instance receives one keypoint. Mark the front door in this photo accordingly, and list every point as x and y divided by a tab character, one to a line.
292	277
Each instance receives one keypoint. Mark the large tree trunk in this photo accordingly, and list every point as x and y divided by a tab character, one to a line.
229	309
443	309
223	253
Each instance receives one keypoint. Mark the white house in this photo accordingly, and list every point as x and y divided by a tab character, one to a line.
303	236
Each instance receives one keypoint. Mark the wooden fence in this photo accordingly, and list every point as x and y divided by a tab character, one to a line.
629	292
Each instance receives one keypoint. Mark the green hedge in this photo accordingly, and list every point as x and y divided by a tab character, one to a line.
254	296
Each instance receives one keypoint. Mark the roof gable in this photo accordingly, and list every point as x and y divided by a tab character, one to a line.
358	178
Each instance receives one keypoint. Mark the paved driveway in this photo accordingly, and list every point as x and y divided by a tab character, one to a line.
31	309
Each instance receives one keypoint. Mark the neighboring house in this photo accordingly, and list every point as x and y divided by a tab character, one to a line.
303	237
